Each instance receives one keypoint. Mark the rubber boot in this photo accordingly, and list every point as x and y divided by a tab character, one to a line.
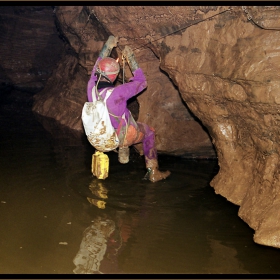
153	174
123	155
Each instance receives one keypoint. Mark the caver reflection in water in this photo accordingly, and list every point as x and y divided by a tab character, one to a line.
103	240
101	245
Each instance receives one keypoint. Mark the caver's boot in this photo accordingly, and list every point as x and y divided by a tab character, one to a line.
123	155
153	174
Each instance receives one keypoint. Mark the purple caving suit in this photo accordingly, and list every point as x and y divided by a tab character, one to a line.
117	105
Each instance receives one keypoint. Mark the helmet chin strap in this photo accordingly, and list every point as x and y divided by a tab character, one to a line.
101	73
104	76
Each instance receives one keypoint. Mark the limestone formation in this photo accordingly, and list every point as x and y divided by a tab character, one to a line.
213	89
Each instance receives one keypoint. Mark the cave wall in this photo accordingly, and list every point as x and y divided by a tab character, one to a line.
29	47
229	77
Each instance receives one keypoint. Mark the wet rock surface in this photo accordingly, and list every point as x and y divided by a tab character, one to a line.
231	84
213	88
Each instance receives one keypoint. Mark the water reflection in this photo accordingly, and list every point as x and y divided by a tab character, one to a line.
100	191
105	239
57	218
102	240
102	243
223	258
94	247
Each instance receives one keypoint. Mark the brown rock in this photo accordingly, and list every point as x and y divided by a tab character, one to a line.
29	46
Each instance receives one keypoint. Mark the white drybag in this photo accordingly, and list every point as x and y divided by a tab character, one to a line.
97	124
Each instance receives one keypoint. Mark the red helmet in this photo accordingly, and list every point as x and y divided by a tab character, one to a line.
109	68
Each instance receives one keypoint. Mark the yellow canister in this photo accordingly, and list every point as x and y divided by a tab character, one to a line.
100	165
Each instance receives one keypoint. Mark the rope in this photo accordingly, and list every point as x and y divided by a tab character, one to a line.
98	94
117	117
194	23
250	18
126	125
123	59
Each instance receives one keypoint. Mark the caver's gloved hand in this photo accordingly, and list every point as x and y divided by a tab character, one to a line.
109	45
130	57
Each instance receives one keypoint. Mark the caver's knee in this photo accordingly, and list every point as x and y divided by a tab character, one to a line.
133	136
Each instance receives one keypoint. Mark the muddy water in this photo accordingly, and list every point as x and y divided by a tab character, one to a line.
53	219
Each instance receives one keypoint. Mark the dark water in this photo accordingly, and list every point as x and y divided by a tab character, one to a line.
177	226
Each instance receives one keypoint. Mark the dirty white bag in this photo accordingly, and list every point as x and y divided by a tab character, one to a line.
97	124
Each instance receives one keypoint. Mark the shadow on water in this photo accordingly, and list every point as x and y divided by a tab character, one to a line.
56	218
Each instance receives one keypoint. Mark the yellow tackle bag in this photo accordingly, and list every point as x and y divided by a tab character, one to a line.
100	165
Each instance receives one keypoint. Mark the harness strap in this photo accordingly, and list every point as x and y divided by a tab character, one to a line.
108	93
